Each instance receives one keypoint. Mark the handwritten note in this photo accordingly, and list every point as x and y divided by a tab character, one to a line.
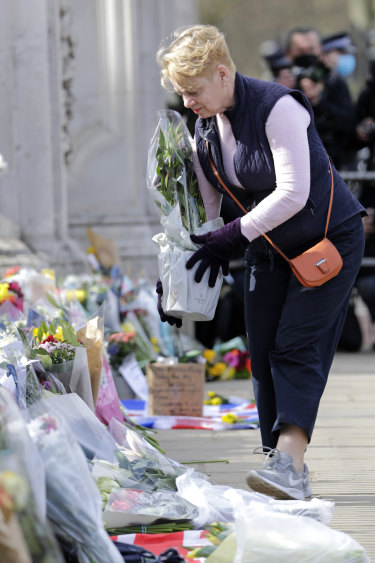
176	389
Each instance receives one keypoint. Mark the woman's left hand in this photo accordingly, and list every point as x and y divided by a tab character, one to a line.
217	249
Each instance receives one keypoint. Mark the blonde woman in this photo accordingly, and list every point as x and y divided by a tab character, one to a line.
265	147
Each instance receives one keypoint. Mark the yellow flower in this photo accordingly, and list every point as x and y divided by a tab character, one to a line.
216	401
155	345
209	355
230	418
229	373
79	294
16	487
69	294
128	326
59	334
35	335
3	291
217	369
48	273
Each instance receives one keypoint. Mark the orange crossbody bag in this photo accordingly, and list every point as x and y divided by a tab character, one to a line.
317	264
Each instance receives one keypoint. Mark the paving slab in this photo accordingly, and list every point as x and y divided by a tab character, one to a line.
341	456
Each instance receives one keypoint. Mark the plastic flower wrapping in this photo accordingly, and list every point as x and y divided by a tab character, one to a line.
73	500
171	176
54	344
59	350
132	506
174	187
22	492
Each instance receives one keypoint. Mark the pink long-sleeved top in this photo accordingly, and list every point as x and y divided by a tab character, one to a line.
286	130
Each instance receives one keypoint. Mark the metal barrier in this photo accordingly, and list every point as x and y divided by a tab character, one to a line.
357	175
360	176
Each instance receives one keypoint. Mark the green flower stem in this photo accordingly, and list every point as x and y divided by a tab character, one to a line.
206	461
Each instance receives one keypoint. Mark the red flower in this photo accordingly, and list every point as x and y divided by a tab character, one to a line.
13	286
49	338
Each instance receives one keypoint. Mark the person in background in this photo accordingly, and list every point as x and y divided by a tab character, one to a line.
338	53
281	68
365	111
328	93
263	142
365	114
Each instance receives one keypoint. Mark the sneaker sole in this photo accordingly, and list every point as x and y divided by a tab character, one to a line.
260	485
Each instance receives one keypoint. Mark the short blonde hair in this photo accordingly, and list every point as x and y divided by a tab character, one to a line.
193	52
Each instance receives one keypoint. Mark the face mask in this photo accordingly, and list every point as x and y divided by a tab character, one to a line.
305	61
346	64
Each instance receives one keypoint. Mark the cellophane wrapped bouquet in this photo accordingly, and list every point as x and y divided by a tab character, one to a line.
73	500
25	532
173	184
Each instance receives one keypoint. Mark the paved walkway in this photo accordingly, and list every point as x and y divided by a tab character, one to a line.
341	456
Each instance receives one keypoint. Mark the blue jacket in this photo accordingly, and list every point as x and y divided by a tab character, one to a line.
254	167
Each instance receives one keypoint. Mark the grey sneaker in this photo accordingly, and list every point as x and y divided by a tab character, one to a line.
306	482
279	478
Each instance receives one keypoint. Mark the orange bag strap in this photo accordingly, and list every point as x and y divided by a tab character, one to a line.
245	210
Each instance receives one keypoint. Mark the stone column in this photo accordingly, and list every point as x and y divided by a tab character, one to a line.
117	92
34	189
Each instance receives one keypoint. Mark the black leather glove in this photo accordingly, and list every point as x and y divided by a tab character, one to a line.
217	249
163	317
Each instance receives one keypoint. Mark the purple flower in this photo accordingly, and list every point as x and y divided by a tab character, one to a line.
113	349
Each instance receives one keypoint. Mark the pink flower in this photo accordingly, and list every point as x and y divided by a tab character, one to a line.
236	359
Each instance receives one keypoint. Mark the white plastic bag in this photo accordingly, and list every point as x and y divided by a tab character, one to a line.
218	502
264	535
182	296
173	183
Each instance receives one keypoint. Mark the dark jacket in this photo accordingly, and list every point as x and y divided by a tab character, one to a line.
254	167
335	122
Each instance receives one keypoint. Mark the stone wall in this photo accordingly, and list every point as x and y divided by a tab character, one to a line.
79	89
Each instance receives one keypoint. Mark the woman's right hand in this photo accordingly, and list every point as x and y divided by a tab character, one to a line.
163	317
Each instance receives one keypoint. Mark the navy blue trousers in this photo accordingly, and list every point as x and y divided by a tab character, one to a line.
293	332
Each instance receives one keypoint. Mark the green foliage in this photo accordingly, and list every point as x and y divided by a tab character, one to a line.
69	333
176	179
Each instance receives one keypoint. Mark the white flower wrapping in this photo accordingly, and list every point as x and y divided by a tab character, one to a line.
182	296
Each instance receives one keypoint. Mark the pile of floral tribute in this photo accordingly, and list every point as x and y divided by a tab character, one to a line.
77	475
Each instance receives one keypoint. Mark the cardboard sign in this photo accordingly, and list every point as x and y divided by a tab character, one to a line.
176	389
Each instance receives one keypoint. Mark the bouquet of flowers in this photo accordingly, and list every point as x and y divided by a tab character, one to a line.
142	461
58	348
132	506
230	364
174	186
40	383
73	500
239	362
11	291
54	344
22	489
12	498
173	181
120	345
13	374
